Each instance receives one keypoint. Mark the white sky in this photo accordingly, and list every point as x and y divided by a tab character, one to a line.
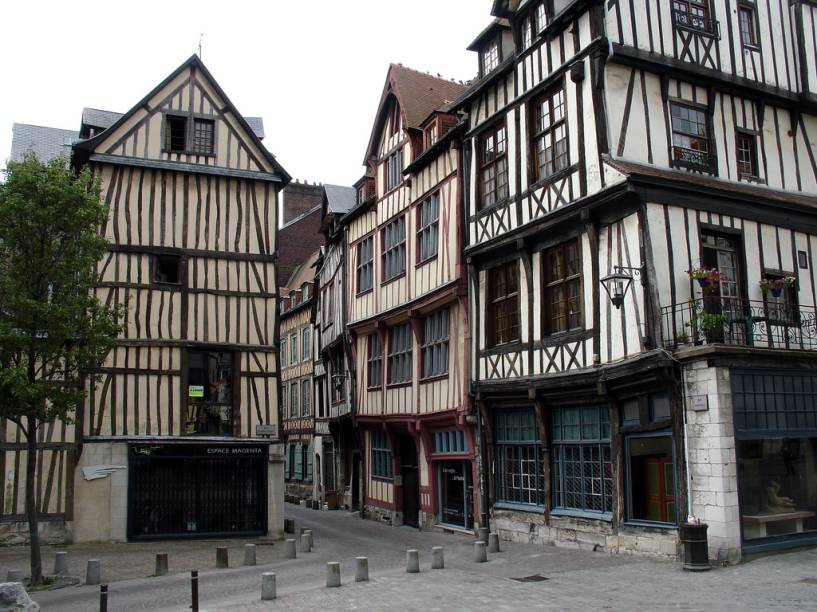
314	70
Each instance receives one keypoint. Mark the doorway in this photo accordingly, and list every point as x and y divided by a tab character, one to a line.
409	471
456	494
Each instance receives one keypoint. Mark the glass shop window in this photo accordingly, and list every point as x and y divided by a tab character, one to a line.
210	393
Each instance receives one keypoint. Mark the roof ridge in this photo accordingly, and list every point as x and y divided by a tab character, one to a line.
45	127
427	74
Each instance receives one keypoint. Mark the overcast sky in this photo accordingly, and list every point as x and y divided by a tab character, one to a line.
313	70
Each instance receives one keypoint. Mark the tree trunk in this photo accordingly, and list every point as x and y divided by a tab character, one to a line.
31	503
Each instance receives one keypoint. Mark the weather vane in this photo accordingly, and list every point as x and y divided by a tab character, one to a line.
200	38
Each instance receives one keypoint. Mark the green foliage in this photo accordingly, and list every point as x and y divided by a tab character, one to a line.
53	329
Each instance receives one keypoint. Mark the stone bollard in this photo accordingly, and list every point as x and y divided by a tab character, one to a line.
289	549
93	572
412	561
161	565
362	569
14	576
61	563
289	526
437	561
493	543
482	534
306	542
333	574
222	557
268	586
480	552
249	554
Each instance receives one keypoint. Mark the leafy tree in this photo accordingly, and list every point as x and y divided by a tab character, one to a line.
54	332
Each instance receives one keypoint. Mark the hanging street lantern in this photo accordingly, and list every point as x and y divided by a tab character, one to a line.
618	283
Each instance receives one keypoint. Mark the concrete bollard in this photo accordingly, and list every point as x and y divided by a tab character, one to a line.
249	554
268	590
289	549
437	561
60	563
14	576
493	543
333	574
412	561
306	542
482	534
289	526
480	552
161	565
93	572
362	569
222	557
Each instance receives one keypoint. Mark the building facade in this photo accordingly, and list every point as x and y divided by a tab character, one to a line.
640	188
174	440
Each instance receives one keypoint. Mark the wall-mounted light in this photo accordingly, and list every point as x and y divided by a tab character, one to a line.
618	283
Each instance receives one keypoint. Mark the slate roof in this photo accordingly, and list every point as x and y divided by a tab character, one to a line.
105	119
47	143
339	199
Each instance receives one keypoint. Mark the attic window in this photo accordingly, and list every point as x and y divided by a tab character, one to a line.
203	136
431	134
490	56
175	133
167	269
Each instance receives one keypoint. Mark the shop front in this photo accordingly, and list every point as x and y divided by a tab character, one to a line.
452	467
195	490
775	414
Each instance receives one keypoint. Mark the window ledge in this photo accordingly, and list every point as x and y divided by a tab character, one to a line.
434	378
397	277
423	262
654	525
388	479
552	178
532	508
364	292
487	210
582	514
398	385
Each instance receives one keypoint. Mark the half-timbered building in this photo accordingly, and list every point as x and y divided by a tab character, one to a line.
170	443
407	310
640	186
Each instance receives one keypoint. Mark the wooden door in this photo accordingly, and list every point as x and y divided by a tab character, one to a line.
658	476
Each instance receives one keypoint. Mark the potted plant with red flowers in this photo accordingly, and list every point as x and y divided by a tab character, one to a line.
775	286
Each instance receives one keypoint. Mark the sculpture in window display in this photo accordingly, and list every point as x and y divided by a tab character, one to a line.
777	503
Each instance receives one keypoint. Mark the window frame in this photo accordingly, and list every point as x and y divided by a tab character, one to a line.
167	137
701	23
439	320
496	301
306	398
540	172
209	138
399	247
381	465
374	361
490	56
362	267
306	344
211	411
749	8
708	163
500	191
393	170
293	348
294	406
565	281
540	17
751	136
179	260
402	355
526	33
431	228
628	482
523	450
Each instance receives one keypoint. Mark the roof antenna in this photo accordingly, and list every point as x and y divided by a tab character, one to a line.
200	37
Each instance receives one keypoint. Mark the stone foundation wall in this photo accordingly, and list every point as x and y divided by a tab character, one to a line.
52	531
583	534
384	515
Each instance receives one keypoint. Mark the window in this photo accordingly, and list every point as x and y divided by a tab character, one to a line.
582	465
394	248
365	265
541	17
210	393
646	409
394	169
448	442
651	479
175	133
338	379
503	304
690	138
519	474
427	227
297	473
306	397
747	154
527	33
431	134
203	130
781	309
550	135
284	353
692	14
394	119
746	19
306	460
306	348
293	400
167	269
293	349
490	57
435	344
290	467
563	287
374	361
381	455
400	354
493	165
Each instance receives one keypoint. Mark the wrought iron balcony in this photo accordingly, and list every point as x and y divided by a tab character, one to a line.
696	23
694	159
734	321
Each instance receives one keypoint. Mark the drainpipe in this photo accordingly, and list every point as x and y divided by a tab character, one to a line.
686	442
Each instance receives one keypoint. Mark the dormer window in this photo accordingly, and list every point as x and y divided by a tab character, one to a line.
541	17
527	33
490	57
431	135
361	194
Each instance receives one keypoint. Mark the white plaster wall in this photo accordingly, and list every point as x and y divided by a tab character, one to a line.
275	491
100	505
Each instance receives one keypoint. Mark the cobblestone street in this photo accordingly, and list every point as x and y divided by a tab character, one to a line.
575	579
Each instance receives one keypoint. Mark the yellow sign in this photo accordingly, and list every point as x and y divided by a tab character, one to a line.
195	391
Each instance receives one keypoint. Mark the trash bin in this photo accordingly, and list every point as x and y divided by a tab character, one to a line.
696	547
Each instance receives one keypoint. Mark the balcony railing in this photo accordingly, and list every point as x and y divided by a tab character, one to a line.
694	159
696	23
740	322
